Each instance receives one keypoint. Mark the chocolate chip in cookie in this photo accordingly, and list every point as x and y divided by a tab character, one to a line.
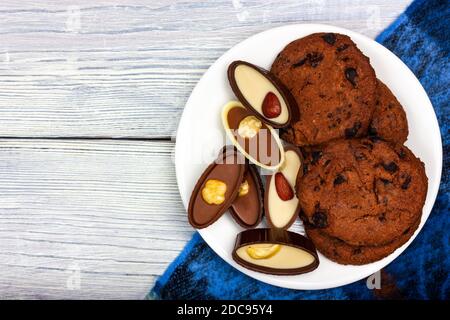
329	38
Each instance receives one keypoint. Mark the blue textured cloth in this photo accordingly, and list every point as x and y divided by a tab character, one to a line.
420	37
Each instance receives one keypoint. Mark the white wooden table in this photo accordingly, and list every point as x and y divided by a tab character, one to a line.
90	97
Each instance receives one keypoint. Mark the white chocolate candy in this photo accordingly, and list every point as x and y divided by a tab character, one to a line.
287	257
281	211
254	87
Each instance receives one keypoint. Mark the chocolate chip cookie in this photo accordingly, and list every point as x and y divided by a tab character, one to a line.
389	119
343	253
333	84
363	191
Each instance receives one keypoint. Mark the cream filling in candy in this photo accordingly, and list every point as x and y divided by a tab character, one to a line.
286	257
281	211
254	87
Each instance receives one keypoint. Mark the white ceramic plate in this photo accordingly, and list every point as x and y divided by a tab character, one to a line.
200	136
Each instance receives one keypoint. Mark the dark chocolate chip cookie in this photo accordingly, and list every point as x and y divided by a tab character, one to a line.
362	191
333	84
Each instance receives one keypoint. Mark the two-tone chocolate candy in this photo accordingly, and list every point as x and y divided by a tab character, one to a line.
275	251
216	189
247	208
281	204
264	104
256	140
261	93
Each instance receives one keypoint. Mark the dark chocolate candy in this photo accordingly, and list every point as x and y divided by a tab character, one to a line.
228	168
271	110
280	237
247	209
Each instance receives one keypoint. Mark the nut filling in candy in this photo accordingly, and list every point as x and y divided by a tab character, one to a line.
214	191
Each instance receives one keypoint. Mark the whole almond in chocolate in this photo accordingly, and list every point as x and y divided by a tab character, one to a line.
261	92
216	189
271	106
247	208
283	188
256	140
275	251
281	205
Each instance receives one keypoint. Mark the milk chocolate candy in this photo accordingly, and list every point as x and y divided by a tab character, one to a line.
216	189
261	93
257	141
247	208
281	204
275	251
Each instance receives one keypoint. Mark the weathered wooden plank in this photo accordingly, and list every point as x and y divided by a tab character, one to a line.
126	68
109	209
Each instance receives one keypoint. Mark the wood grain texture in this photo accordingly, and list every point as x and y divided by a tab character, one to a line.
109	208
126	68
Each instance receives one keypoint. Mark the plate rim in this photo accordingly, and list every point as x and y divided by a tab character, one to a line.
432	190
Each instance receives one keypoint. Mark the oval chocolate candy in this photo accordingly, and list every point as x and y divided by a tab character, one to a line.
247	208
275	251
281	204
216	189
257	141
261	92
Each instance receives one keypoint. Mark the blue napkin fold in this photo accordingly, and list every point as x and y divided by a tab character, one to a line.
420	37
